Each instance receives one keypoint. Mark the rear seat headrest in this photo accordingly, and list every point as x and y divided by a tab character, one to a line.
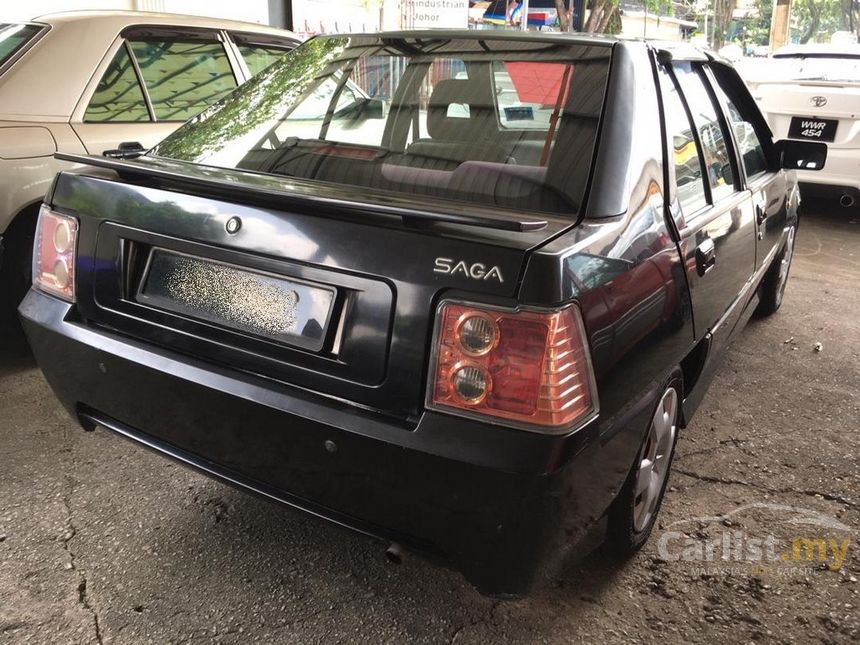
481	122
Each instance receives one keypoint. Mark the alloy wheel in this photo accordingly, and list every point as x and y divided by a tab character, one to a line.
785	263
654	463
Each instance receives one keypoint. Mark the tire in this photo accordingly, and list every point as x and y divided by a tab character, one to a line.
634	512
773	285
16	270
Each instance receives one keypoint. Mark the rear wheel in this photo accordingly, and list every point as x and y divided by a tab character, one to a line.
773	286
634	512
16	270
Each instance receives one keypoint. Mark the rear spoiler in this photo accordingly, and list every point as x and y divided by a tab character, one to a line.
311	194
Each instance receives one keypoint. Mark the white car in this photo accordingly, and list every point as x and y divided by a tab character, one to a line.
812	92
84	82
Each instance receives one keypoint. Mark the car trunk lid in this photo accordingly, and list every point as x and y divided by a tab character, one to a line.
804	110
164	245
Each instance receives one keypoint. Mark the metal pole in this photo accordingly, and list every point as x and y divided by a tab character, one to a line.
524	16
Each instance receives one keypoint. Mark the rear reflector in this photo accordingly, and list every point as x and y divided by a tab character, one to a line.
54	254
526	368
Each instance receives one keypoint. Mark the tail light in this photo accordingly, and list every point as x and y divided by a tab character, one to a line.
54	254
526	368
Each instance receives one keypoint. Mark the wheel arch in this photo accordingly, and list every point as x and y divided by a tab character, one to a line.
23	220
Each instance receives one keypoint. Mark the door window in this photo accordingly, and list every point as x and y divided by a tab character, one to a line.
718	162
748	143
118	97
183	78
684	150
259	57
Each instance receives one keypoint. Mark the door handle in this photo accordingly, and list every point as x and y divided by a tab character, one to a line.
706	256
760	219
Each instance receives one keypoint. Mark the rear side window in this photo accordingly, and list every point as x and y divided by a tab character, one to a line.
713	139
13	38
683	149
259	57
183	78
118	97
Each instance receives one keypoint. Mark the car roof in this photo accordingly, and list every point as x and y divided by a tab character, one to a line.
484	34
122	19
680	50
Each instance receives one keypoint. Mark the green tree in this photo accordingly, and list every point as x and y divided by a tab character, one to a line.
850	10
601	16
723	10
758	23
817	20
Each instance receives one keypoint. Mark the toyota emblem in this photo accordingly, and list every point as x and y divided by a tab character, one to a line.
818	101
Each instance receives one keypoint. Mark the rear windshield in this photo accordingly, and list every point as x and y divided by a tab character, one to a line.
820	67
505	123
13	38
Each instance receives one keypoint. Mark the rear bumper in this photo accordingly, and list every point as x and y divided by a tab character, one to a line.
504	507
842	170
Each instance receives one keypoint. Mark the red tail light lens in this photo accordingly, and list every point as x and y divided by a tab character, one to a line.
528	368
54	254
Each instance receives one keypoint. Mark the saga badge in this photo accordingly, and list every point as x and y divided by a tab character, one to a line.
474	270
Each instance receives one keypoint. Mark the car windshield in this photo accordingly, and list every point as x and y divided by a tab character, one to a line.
505	123
13	37
819	68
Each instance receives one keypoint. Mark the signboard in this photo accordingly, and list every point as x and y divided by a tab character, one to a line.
435	14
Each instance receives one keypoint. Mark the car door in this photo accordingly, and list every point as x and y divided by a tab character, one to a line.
153	80
711	209
762	175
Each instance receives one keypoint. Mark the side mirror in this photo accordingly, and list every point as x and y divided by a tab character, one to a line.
801	155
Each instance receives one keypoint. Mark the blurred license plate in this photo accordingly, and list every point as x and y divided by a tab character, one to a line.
816	129
261	304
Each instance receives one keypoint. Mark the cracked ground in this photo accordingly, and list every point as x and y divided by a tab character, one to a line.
102	542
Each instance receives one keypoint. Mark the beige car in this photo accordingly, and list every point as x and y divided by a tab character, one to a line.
85	82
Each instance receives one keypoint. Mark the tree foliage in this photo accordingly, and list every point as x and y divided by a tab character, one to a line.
602	16
757	26
723	10
816	20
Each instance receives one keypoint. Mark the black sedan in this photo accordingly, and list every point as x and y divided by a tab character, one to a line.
456	290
